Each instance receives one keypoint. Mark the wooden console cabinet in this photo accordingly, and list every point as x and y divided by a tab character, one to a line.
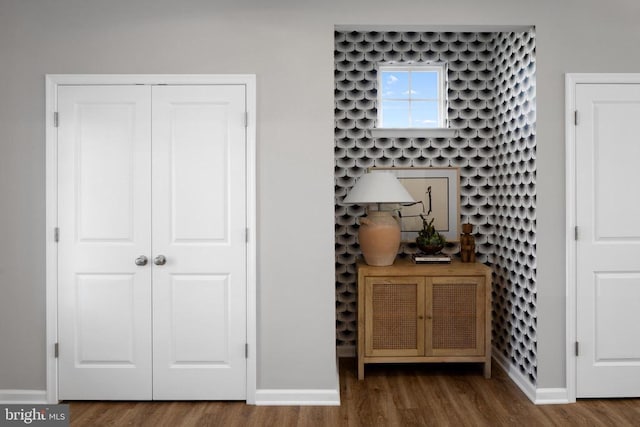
416	313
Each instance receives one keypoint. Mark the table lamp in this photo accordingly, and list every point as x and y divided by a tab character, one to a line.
379	232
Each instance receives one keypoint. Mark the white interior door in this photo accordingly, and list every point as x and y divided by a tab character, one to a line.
199	226
156	172
104	207
608	249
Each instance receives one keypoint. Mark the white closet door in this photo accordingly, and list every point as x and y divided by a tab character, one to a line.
104	206
199	220
608	250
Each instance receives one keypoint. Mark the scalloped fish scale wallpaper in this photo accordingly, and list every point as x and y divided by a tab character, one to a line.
491	101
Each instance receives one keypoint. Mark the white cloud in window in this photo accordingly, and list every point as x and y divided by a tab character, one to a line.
391	79
411	92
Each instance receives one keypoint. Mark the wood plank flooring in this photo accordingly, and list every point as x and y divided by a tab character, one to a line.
390	395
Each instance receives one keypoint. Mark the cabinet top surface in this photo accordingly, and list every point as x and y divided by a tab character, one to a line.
406	267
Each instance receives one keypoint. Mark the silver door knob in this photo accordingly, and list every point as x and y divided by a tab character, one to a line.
160	260
141	260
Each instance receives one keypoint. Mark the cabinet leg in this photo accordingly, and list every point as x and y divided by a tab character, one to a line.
360	370
487	369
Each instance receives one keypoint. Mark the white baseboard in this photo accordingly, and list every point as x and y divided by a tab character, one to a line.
322	397
263	397
552	396
16	397
298	397
539	396
516	376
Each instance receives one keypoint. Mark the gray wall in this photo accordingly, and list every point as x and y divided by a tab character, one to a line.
289	45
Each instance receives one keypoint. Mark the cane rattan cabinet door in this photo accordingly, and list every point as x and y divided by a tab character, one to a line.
455	316
394	316
424	313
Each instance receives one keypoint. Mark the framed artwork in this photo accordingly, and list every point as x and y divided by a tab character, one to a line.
437	195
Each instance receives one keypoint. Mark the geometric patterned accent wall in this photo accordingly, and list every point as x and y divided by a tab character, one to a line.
479	106
514	202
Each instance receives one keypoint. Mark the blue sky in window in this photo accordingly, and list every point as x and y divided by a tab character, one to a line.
395	84
395	114
423	114
425	84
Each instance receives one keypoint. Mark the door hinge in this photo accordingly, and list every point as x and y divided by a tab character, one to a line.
577	352
246	119
246	235
56	119
575	117
56	234
56	350
575	232
246	350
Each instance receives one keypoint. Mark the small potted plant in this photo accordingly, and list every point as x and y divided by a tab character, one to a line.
429	240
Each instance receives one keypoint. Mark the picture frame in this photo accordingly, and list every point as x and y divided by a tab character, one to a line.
437	195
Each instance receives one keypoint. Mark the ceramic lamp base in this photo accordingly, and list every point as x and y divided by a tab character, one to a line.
379	237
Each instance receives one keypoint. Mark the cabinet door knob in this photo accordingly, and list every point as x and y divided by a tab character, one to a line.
160	260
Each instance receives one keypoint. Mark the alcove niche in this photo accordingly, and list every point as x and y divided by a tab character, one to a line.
491	103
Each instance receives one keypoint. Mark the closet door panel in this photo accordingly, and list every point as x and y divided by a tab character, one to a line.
199	172
104	210
199	223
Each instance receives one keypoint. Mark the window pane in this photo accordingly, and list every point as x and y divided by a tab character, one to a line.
424	114
395	84
395	114
424	84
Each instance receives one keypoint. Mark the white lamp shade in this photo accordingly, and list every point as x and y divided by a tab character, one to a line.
378	187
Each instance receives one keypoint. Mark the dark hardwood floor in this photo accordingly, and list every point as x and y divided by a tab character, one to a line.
390	395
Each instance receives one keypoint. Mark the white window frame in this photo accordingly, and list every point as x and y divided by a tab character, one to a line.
439	68
442	129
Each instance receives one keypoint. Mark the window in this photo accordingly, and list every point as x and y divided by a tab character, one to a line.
411	96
